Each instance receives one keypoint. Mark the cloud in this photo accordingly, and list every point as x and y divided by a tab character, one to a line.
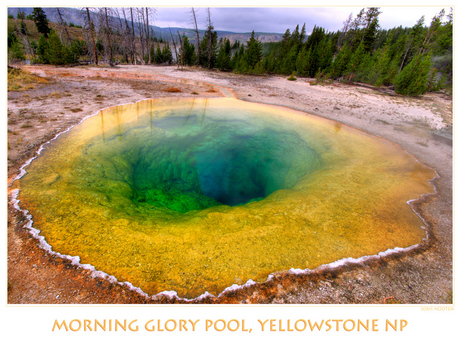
278	19
246	19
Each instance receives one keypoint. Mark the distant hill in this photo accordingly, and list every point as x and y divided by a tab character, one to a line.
73	15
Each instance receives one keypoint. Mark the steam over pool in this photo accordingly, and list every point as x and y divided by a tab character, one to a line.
195	195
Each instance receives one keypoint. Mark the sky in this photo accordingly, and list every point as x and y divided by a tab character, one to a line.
278	19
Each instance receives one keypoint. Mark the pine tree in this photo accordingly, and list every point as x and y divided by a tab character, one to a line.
21	15
290	60
12	38
209	48
413	79
301	62
385	69
295	39
285	44
356	31
167	54
237	57
52	51
441	47
41	21
152	54
435	25
370	35
16	52
223	61
313	62
340	62
372	25
253	52
316	36
443	35
303	35
159	55
188	52
414	42
356	58
55	53
211	45
59	54
42	50
326	47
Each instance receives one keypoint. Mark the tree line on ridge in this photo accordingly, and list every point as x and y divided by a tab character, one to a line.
413	60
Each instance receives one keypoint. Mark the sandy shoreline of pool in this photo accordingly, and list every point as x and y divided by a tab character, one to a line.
421	126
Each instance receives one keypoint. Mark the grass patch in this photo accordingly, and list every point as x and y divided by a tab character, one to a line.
194	93
26	125
292	77
382	121
19	80
172	89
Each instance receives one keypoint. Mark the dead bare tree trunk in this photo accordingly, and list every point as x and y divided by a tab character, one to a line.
175	48
153	47
127	33
122	30
140	24
435	23
210	28
90	27
414	36
134	38
25	37
148	34
109	39
197	36
346	26
63	24
181	52
404	58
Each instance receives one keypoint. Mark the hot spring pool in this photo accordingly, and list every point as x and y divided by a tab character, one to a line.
194	195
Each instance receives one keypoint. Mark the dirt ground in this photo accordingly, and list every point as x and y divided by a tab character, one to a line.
421	126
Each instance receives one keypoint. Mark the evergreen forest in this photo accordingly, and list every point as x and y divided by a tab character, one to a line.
412	60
